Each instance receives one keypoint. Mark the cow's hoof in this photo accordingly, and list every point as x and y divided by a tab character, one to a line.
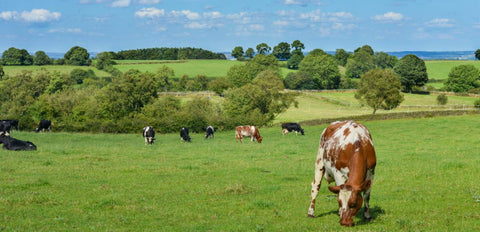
310	216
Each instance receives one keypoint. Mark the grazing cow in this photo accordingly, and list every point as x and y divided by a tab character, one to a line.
44	125
5	127
248	131
291	126
209	132
184	135
346	156
148	135
10	143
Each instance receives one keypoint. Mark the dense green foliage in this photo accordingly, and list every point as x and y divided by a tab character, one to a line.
100	182
442	99
167	54
463	78
15	56
322	69
477	54
412	72
238	53
77	56
379	89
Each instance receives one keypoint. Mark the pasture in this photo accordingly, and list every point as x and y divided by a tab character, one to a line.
63	69
426	180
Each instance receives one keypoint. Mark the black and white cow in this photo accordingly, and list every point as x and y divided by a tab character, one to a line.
13	144
209	132
291	126
5	127
184	135
44	125
13	123
148	135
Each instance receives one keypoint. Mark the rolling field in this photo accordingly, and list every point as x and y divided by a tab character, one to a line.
64	69
426	180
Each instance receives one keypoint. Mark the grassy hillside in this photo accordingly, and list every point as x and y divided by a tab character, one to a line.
330	104
64	69
426	180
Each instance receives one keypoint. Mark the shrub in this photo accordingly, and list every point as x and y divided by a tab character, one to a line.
477	104
442	99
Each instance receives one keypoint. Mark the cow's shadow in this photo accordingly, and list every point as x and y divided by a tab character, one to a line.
374	213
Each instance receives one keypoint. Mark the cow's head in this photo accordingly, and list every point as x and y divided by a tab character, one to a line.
259	139
350	200
150	140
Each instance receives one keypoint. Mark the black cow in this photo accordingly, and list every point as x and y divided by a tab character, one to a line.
184	135
210	131
13	122
5	127
148	135
291	126
44	125
13	144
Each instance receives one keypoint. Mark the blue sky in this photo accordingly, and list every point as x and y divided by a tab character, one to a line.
220	25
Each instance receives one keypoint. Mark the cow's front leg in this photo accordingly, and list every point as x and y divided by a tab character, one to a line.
317	182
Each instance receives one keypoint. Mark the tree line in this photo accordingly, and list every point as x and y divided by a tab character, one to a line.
79	56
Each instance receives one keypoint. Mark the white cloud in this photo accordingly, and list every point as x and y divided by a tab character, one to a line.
66	30
301	2
389	17
343	27
256	27
120	3
197	25
314	16
442	22
476	25
151	12
33	16
149	2
187	13
213	15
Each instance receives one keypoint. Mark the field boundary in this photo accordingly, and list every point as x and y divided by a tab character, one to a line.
390	116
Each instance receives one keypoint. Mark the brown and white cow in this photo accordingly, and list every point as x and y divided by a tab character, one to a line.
248	131
346	156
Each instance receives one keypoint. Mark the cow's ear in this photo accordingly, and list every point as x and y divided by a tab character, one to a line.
334	189
366	185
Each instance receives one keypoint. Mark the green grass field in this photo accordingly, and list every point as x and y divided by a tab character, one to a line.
64	69
426	180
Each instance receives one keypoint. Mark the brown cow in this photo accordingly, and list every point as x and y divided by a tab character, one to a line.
248	131
346	156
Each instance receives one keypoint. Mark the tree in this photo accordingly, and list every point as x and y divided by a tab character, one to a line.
282	51
237	52
77	56
477	54
365	48
412	72
341	56
219	85
14	56
462	78
379	89
297	47
249	53
104	60
295	60
162	78
383	60
358	64
78	75
299	80
322	68
263	48
240	75
41	58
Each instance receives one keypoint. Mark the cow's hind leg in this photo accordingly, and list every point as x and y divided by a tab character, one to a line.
366	199
317	182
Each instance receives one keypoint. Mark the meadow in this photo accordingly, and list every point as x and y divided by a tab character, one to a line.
63	69
426	180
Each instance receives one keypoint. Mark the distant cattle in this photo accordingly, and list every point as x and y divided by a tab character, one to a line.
184	135
5	127
291	126
10	143
148	135
209	132
248	131
346	155
44	125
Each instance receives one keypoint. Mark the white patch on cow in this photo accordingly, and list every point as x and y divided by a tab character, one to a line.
344	196
333	174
